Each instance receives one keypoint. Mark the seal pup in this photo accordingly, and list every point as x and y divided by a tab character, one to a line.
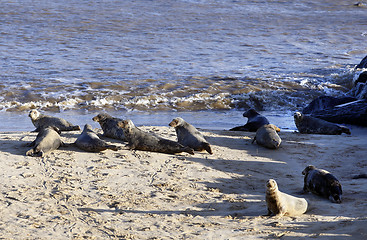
308	124
279	203
109	126
323	183
40	121
189	136
140	140
268	137
254	121
89	141
47	139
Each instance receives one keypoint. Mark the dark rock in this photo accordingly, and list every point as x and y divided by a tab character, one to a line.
339	110
362	78
326	102
363	63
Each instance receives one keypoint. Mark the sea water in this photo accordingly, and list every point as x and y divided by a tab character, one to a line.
153	60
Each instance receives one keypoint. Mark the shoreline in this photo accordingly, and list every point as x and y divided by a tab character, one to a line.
144	195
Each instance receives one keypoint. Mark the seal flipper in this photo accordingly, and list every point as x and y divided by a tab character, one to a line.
207	147
239	128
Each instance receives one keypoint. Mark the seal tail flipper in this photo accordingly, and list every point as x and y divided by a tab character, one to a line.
207	148
29	152
239	128
75	128
189	150
345	130
113	147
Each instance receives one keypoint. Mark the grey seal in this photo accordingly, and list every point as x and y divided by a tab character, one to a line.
254	121
89	141
312	125
268	137
40	121
140	140
47	140
189	136
279	203
109	126
323	183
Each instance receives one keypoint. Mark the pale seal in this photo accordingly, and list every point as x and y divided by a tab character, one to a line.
189	136
323	183
89	141
312	125
254	121
47	140
140	140
109	126
268	137
40	121
279	203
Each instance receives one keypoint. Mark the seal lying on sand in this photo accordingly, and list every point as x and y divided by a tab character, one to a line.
322	183
42	121
109	126
141	140
254	122
268	137
308	124
280	203
189	136
89	141
48	139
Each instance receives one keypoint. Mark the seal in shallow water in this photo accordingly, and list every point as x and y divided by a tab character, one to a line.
254	121
109	126
268	137
279	203
189	136
323	183
89	141
40	121
47	139
308	124
141	140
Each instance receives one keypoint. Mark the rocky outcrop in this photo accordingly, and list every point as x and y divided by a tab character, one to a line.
339	110
349	110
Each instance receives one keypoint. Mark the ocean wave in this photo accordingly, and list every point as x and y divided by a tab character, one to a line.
194	93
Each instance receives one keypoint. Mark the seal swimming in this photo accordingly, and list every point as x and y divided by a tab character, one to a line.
110	126
189	136
268	137
312	125
47	140
323	183
279	203
140	140
40	121
89	141
254	121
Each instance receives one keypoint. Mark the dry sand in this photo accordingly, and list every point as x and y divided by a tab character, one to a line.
71	194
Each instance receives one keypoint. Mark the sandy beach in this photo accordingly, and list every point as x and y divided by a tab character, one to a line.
71	194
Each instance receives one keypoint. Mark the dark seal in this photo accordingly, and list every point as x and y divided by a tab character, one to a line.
254	121
140	140
311	125
189	136
322	183
47	140
40	121
268	137
110	126
89	141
